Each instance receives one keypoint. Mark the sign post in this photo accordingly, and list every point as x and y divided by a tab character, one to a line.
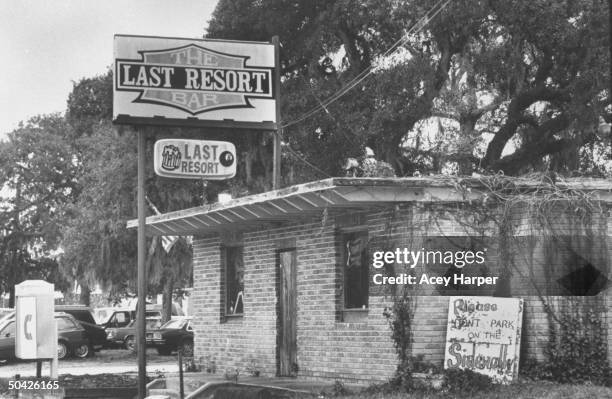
165	81
141	345
278	132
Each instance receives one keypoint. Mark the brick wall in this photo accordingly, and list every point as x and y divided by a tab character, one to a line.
332	344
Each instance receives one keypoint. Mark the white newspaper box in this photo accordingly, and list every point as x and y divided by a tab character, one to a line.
35	328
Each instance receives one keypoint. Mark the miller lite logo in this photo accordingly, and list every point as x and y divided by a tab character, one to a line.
193	78
193	159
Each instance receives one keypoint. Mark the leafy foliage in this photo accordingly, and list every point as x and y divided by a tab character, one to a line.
485	76
577	350
38	172
97	245
400	317
99	248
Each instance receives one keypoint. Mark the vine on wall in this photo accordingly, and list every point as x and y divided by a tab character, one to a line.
530	216
541	212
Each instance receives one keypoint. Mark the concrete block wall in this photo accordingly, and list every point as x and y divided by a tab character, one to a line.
330	344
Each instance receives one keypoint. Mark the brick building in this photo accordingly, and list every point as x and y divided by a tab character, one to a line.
284	280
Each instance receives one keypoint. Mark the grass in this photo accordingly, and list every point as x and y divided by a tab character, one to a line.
521	390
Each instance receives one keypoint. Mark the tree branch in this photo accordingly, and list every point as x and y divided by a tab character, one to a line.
515	118
547	145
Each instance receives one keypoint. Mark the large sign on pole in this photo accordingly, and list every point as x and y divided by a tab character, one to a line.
484	335
188	82
199	83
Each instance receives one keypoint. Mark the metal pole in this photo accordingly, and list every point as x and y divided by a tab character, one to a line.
54	366
180	364
142	272
276	157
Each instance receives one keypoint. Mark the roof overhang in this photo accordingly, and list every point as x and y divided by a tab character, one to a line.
306	200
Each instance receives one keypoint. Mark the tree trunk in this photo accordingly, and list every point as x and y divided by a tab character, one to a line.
11	303
167	299
465	148
84	298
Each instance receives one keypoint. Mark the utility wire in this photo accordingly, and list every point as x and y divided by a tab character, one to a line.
416	28
301	158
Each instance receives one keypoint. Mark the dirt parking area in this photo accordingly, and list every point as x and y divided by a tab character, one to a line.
113	361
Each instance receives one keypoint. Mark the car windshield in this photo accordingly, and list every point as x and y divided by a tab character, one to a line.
175	324
103	315
8	316
153	323
8	330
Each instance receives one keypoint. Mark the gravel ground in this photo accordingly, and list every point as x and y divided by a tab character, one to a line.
113	361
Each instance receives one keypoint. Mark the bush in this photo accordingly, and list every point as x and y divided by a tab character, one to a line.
466	382
577	350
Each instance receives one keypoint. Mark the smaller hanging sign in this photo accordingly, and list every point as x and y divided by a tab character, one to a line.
195	159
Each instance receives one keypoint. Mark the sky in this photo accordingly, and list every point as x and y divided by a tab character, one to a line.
48	45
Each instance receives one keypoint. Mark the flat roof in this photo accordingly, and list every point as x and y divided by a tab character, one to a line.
306	200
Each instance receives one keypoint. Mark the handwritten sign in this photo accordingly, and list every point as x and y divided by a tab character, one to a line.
484	335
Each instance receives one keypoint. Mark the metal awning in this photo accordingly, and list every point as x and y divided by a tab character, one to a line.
306	200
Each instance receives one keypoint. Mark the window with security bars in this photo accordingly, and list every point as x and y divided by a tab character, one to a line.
355	269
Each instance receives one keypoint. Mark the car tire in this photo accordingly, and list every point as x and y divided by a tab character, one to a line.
164	350
186	348
62	350
82	351
130	343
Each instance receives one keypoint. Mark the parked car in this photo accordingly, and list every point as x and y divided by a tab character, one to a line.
125	337
121	317
176	334
72	338
9	314
84	315
95	334
80	312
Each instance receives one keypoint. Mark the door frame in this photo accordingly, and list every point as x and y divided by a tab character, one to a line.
286	337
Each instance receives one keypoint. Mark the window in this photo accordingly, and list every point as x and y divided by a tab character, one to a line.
8	331
64	323
575	265
355	269
119	319
234	281
584	281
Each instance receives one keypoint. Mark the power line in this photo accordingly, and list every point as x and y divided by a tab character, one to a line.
417	27
302	159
